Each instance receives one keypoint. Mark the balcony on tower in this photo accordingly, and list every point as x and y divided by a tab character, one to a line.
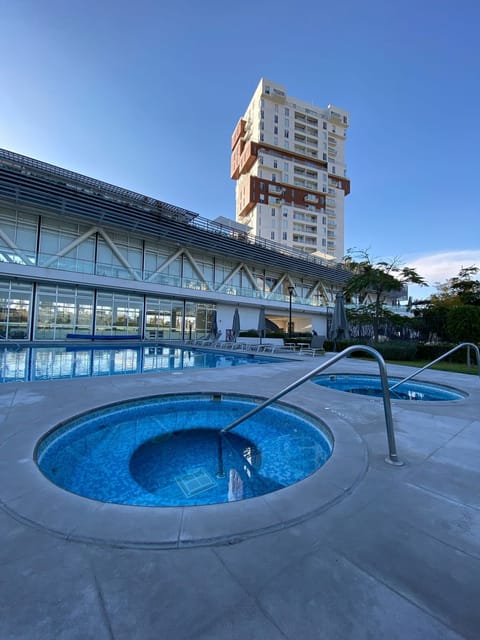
273	200
274	188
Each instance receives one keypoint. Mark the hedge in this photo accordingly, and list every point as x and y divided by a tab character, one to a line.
404	350
431	352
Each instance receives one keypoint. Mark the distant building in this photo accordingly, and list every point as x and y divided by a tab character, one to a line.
289	165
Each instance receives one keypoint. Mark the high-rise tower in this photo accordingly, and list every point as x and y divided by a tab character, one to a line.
289	165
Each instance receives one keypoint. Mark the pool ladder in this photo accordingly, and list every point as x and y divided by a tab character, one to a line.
392	457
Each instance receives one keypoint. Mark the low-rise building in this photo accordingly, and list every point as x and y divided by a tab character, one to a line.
82	257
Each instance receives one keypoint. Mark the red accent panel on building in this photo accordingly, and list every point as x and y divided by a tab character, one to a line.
243	159
261	191
342	183
244	155
239	132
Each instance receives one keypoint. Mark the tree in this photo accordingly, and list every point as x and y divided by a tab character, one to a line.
463	289
463	323
432	320
376	280
457	307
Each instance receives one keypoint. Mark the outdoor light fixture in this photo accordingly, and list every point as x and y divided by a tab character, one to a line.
291	291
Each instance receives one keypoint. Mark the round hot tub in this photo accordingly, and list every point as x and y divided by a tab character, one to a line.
170	451
370	385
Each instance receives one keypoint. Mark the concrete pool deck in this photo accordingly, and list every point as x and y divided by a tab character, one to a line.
361	550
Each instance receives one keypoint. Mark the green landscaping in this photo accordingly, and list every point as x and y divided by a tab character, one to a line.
454	367
414	354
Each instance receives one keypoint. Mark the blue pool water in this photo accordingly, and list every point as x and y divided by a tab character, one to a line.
167	451
371	386
54	363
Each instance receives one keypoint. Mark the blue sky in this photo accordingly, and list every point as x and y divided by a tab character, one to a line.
146	95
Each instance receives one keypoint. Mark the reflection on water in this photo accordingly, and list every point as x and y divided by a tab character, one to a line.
53	363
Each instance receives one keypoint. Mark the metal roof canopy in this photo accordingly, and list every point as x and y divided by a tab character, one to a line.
28	182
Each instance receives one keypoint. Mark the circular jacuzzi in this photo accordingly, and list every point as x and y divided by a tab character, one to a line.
371	385
169	451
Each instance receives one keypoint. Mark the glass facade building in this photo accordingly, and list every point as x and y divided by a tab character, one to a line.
79	257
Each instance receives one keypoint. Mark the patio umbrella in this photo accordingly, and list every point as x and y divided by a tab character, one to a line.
262	325
340	328
213	325
236	325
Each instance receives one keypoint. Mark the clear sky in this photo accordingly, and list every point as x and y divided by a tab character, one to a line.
146	95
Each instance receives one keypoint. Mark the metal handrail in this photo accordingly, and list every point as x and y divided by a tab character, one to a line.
392	449
459	346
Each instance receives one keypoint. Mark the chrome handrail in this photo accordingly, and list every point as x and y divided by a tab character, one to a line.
459	346
392	449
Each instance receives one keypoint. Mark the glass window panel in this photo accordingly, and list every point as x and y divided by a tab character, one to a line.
223	269
49	243
56	236
154	261
177	320
45	321
118	314
21	229
105	255
204	317
15	310
129	247
27	238
158	318
60	310
190	320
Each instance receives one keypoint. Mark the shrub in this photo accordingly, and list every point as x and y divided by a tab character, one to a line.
397	350
404	350
390	350
463	323
431	352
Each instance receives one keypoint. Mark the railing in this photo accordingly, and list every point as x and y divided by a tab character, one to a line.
392	457
80	265
459	346
91	183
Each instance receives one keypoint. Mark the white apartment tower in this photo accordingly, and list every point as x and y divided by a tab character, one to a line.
289	165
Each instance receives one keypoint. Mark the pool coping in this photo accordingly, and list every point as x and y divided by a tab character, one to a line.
28	496
31	409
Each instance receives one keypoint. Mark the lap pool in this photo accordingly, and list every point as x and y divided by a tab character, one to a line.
26	364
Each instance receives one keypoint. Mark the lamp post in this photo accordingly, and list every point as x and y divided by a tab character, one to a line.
291	291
